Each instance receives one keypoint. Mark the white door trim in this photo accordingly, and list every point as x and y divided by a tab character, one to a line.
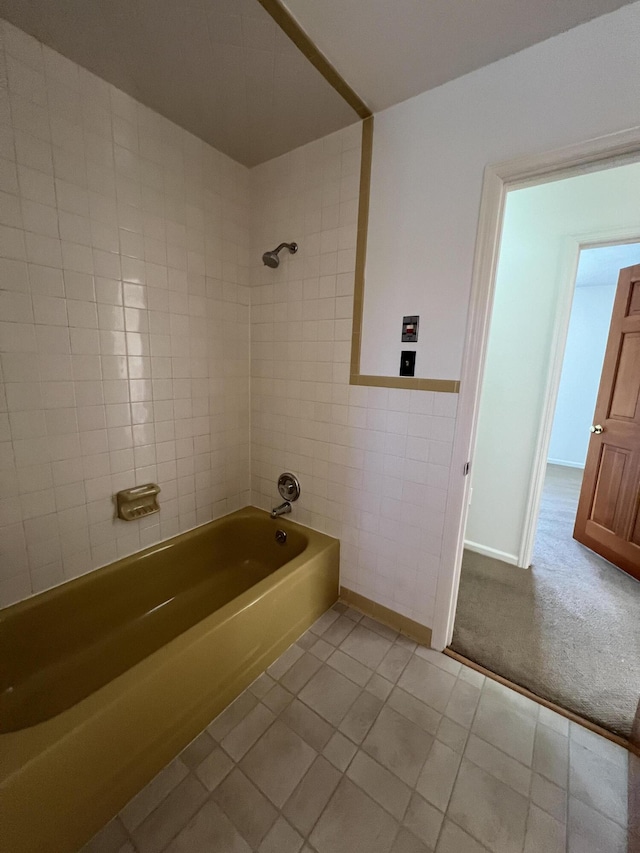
592	155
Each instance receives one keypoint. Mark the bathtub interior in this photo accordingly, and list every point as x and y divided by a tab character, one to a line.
68	642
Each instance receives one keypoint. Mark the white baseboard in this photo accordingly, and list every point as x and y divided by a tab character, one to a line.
512	559
565	463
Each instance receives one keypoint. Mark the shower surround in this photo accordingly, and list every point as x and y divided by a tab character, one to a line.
142	339
124	321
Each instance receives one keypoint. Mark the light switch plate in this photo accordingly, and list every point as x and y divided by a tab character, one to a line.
408	363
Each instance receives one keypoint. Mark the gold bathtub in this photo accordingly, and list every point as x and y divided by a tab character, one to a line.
103	680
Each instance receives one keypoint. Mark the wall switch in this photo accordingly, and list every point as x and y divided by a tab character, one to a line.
410	329
407	363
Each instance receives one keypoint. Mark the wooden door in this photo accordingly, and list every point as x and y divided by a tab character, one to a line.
608	519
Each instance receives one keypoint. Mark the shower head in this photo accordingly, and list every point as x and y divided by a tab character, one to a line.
271	259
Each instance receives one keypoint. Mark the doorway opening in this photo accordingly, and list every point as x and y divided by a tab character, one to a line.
535	606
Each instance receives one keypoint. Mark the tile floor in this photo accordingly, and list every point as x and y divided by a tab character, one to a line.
356	739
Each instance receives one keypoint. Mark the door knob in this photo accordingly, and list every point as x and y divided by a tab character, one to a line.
597	429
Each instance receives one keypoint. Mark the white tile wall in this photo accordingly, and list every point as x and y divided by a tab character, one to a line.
124	321
373	462
129	254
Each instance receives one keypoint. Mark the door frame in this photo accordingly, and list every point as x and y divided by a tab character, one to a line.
593	155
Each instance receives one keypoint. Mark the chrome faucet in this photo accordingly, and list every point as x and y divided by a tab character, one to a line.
283	509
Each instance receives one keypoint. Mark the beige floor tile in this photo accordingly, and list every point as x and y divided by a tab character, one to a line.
366	646
353	614
353	669
381	785
330	694
109	840
248	809
471	676
488	810
307	640
406	842
455	840
412	718
551	755
398	744
209	829
277	762
340	629
511	698
153	794
285	661
281	838
438	659
305	805
263	683
413	709
232	715
406	643
353	822
360	717
452	734
246	733
438	775
325	621
600	745
198	750
379	686
499	764
428	683
591	832
214	768
544	833
393	663
553	720
321	649
423	820
176	810
501	724
462	703
598	783
339	751
277	698
311	727
549	797
297	675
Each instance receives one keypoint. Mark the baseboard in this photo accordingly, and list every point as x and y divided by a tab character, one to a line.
565	464
569	715
512	559
420	633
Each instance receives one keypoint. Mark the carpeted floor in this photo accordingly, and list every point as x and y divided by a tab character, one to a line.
568	629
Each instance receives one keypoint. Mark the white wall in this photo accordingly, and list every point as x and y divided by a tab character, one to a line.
429	154
124	321
541	226
581	369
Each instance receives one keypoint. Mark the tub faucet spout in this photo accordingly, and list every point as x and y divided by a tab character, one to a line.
283	509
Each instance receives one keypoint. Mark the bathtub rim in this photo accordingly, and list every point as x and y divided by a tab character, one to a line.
18	748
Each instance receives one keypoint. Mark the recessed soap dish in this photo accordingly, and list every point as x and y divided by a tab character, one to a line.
137	502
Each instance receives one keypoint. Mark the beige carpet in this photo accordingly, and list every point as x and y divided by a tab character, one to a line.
568	629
